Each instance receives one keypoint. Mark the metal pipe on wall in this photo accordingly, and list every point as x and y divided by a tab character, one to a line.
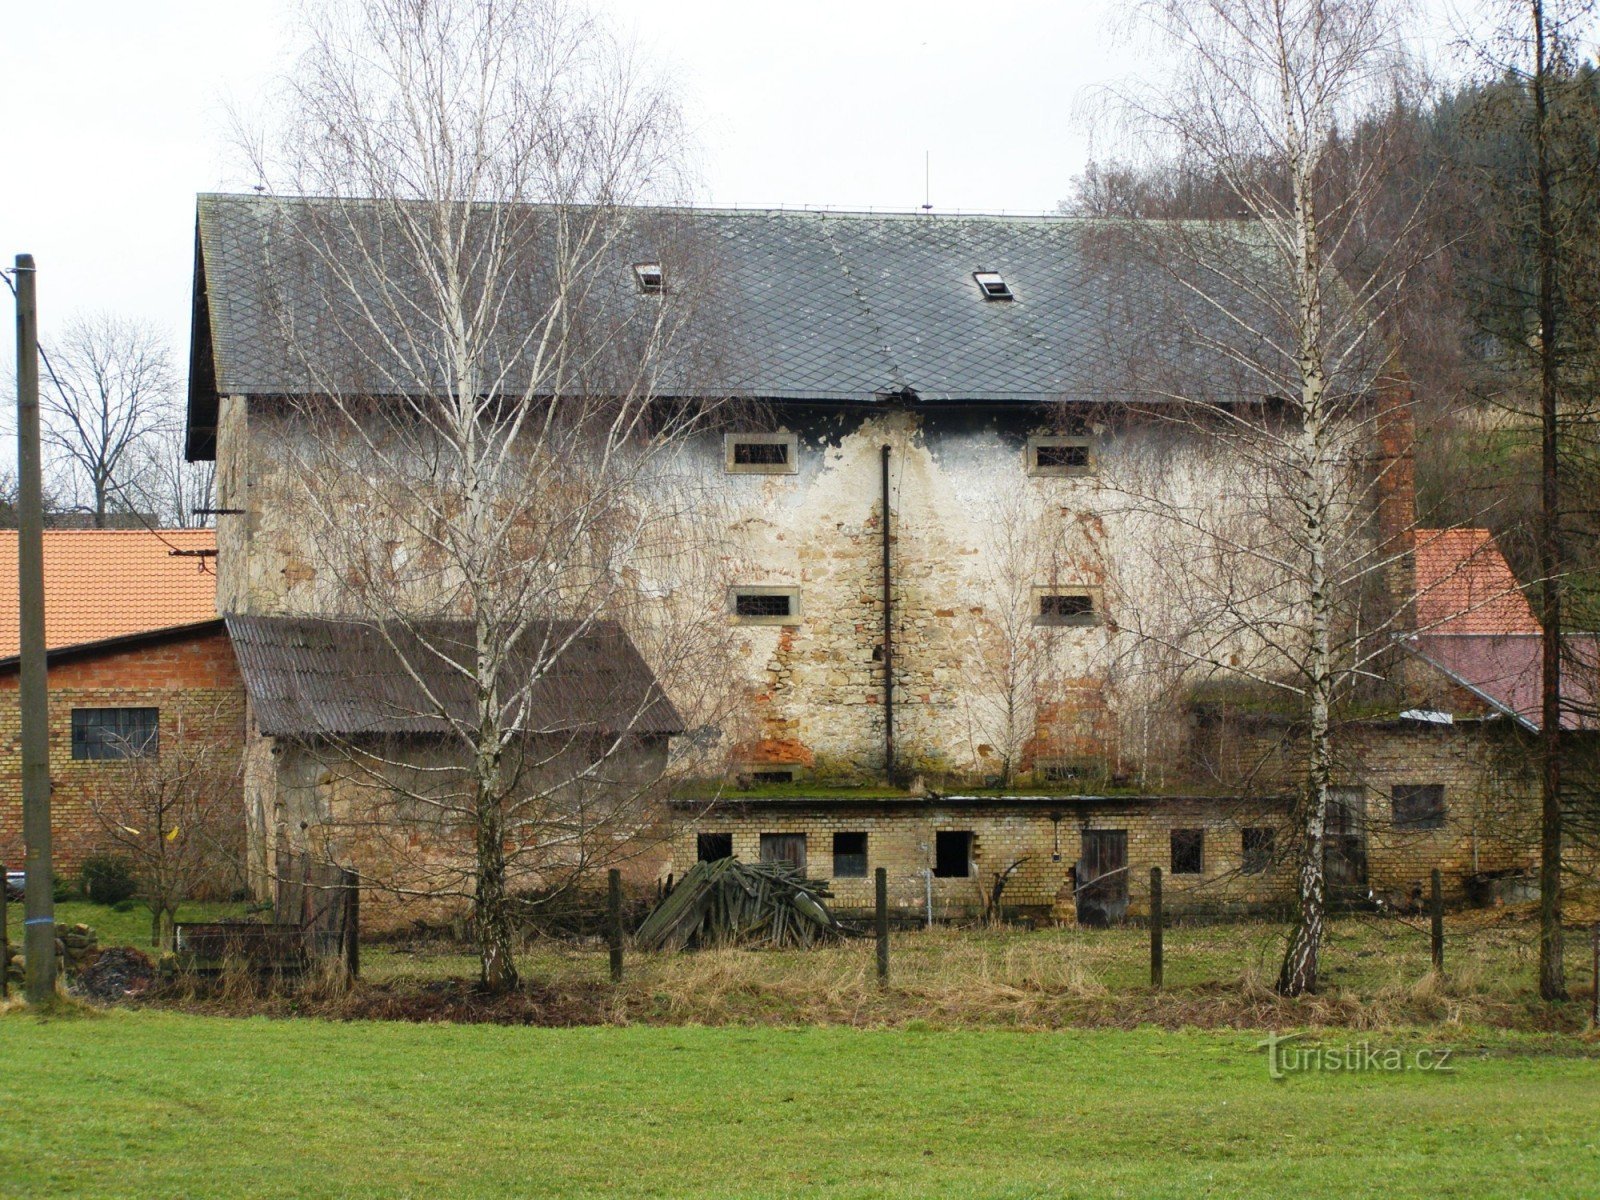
888	636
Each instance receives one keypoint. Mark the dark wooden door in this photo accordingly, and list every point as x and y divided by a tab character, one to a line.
1103	877
784	847
1344	847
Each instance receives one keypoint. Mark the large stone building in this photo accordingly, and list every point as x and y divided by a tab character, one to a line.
934	559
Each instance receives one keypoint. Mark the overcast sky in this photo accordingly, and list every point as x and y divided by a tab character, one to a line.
116	116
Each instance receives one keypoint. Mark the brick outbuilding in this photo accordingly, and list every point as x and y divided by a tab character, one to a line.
138	658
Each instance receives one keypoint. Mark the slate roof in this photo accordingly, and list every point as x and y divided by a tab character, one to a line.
1465	585
101	584
318	677
805	305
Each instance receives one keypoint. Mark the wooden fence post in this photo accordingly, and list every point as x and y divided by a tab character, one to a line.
352	923
882	881
5	935
1594	1010
614	932
1436	906
1156	929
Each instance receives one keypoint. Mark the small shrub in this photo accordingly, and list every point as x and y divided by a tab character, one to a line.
108	878
61	888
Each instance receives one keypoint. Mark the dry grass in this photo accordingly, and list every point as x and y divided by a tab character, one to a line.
1378	975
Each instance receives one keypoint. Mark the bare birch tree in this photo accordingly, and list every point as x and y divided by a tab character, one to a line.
485	467
1278	355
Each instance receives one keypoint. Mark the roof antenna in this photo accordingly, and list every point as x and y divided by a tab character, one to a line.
927	189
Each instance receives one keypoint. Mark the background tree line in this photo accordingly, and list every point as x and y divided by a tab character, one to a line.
112	406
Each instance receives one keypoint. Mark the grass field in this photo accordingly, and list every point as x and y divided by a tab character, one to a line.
161	1104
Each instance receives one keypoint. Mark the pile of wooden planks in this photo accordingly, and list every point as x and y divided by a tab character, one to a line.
733	903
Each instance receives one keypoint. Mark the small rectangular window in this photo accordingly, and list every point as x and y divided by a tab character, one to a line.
849	855
650	278
1188	851
710	847
770	777
993	285
1418	805
1056	456
952	853
1258	850
785	848
761	606
1066	606
761	453
106	733
766	605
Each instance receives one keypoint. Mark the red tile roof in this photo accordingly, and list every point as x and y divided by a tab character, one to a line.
1465	585
107	583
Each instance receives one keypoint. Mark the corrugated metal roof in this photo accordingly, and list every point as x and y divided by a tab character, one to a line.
1507	670
310	676
798	305
111	583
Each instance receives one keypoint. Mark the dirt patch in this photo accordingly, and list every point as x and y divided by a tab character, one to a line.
455	1000
115	974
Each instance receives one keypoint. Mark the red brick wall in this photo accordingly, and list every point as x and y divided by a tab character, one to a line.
195	678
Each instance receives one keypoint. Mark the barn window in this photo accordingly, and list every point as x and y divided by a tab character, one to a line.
952	853
849	855
650	278
766	605
1055	456
709	847
1418	805
993	285
1188	851
1065	606
785	848
103	733
761	453
1258	848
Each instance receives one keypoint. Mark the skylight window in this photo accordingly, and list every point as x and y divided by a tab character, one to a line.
993	285
649	276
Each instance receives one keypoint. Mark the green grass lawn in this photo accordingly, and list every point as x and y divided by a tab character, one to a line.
162	1104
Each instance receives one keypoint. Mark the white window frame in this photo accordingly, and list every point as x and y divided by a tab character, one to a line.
641	273
730	440
1096	615
1050	472
751	589
985	278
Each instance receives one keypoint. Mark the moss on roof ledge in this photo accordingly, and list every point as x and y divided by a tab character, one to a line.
709	793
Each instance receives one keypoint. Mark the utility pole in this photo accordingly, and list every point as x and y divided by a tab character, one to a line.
39	918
